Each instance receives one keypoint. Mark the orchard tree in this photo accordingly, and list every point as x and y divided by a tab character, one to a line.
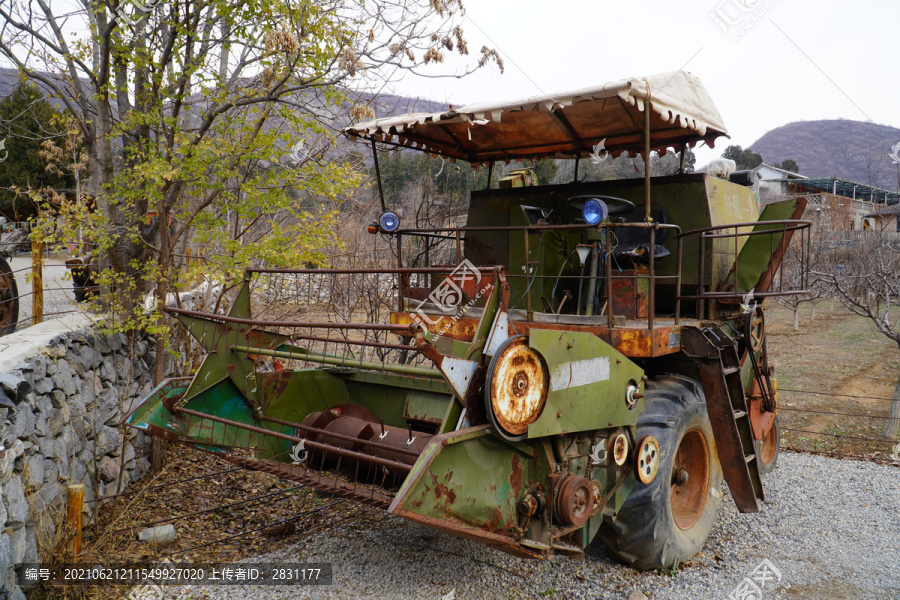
213	121
866	279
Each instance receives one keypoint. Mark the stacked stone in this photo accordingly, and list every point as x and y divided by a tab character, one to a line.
61	414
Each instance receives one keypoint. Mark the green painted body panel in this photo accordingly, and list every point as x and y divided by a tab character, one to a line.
756	254
222	400
691	201
291	395
471	477
150	411
425	406
589	406
728	203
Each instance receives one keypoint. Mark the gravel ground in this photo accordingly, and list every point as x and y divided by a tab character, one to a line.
831	528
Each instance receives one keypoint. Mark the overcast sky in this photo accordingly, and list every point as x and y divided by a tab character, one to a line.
781	60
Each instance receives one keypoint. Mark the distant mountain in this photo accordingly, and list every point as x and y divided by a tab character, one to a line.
854	150
384	105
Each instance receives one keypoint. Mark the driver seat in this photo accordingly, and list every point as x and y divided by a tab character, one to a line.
633	244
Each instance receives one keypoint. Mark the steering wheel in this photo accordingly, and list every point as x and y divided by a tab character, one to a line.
617	206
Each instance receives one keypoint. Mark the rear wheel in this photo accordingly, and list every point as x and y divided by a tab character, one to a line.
668	520
9	299
768	448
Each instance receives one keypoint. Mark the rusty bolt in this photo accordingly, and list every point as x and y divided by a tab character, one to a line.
680	476
528	506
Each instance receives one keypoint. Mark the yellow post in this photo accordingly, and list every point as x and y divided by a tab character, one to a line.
74	505
37	282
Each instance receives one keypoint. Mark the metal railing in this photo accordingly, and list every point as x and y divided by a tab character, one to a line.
337	316
729	289
457	235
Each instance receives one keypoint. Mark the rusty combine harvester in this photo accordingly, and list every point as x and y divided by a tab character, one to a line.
576	363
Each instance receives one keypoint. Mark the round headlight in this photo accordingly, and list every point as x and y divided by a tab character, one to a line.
389	221
594	211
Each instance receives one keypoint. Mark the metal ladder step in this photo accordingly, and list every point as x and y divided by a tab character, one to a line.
728	412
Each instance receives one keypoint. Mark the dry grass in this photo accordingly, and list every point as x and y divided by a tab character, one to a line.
838	353
241	521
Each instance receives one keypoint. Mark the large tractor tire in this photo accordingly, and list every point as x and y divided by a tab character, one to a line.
668	520
9	299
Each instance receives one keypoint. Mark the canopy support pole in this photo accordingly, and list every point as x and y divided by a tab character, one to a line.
647	161
378	175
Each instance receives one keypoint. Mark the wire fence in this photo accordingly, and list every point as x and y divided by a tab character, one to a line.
35	281
839	433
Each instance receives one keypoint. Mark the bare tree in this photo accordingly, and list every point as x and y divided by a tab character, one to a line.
865	276
185	109
828	216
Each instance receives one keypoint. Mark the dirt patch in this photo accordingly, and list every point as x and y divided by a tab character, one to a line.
263	524
832	589
835	364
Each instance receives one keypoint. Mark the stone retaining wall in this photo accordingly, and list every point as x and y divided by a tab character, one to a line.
63	391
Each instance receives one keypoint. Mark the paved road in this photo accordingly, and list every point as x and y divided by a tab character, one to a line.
58	293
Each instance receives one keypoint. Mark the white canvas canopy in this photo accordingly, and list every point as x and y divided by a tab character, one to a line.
567	125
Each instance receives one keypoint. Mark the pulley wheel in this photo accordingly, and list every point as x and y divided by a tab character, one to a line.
646	459
756	328
516	389
574	500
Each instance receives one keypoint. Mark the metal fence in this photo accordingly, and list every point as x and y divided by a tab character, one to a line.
34	281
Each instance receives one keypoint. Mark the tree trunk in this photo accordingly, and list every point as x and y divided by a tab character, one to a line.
157	454
158	448
796	318
812	313
892	429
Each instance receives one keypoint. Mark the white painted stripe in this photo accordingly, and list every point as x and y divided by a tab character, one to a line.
458	373
499	334
579	372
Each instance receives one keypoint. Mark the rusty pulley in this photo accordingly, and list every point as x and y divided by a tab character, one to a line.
516	388
573	500
646	459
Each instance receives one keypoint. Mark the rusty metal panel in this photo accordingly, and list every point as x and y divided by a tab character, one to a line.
632	340
630	297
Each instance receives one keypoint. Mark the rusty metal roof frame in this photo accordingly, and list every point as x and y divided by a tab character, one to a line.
567	125
848	189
